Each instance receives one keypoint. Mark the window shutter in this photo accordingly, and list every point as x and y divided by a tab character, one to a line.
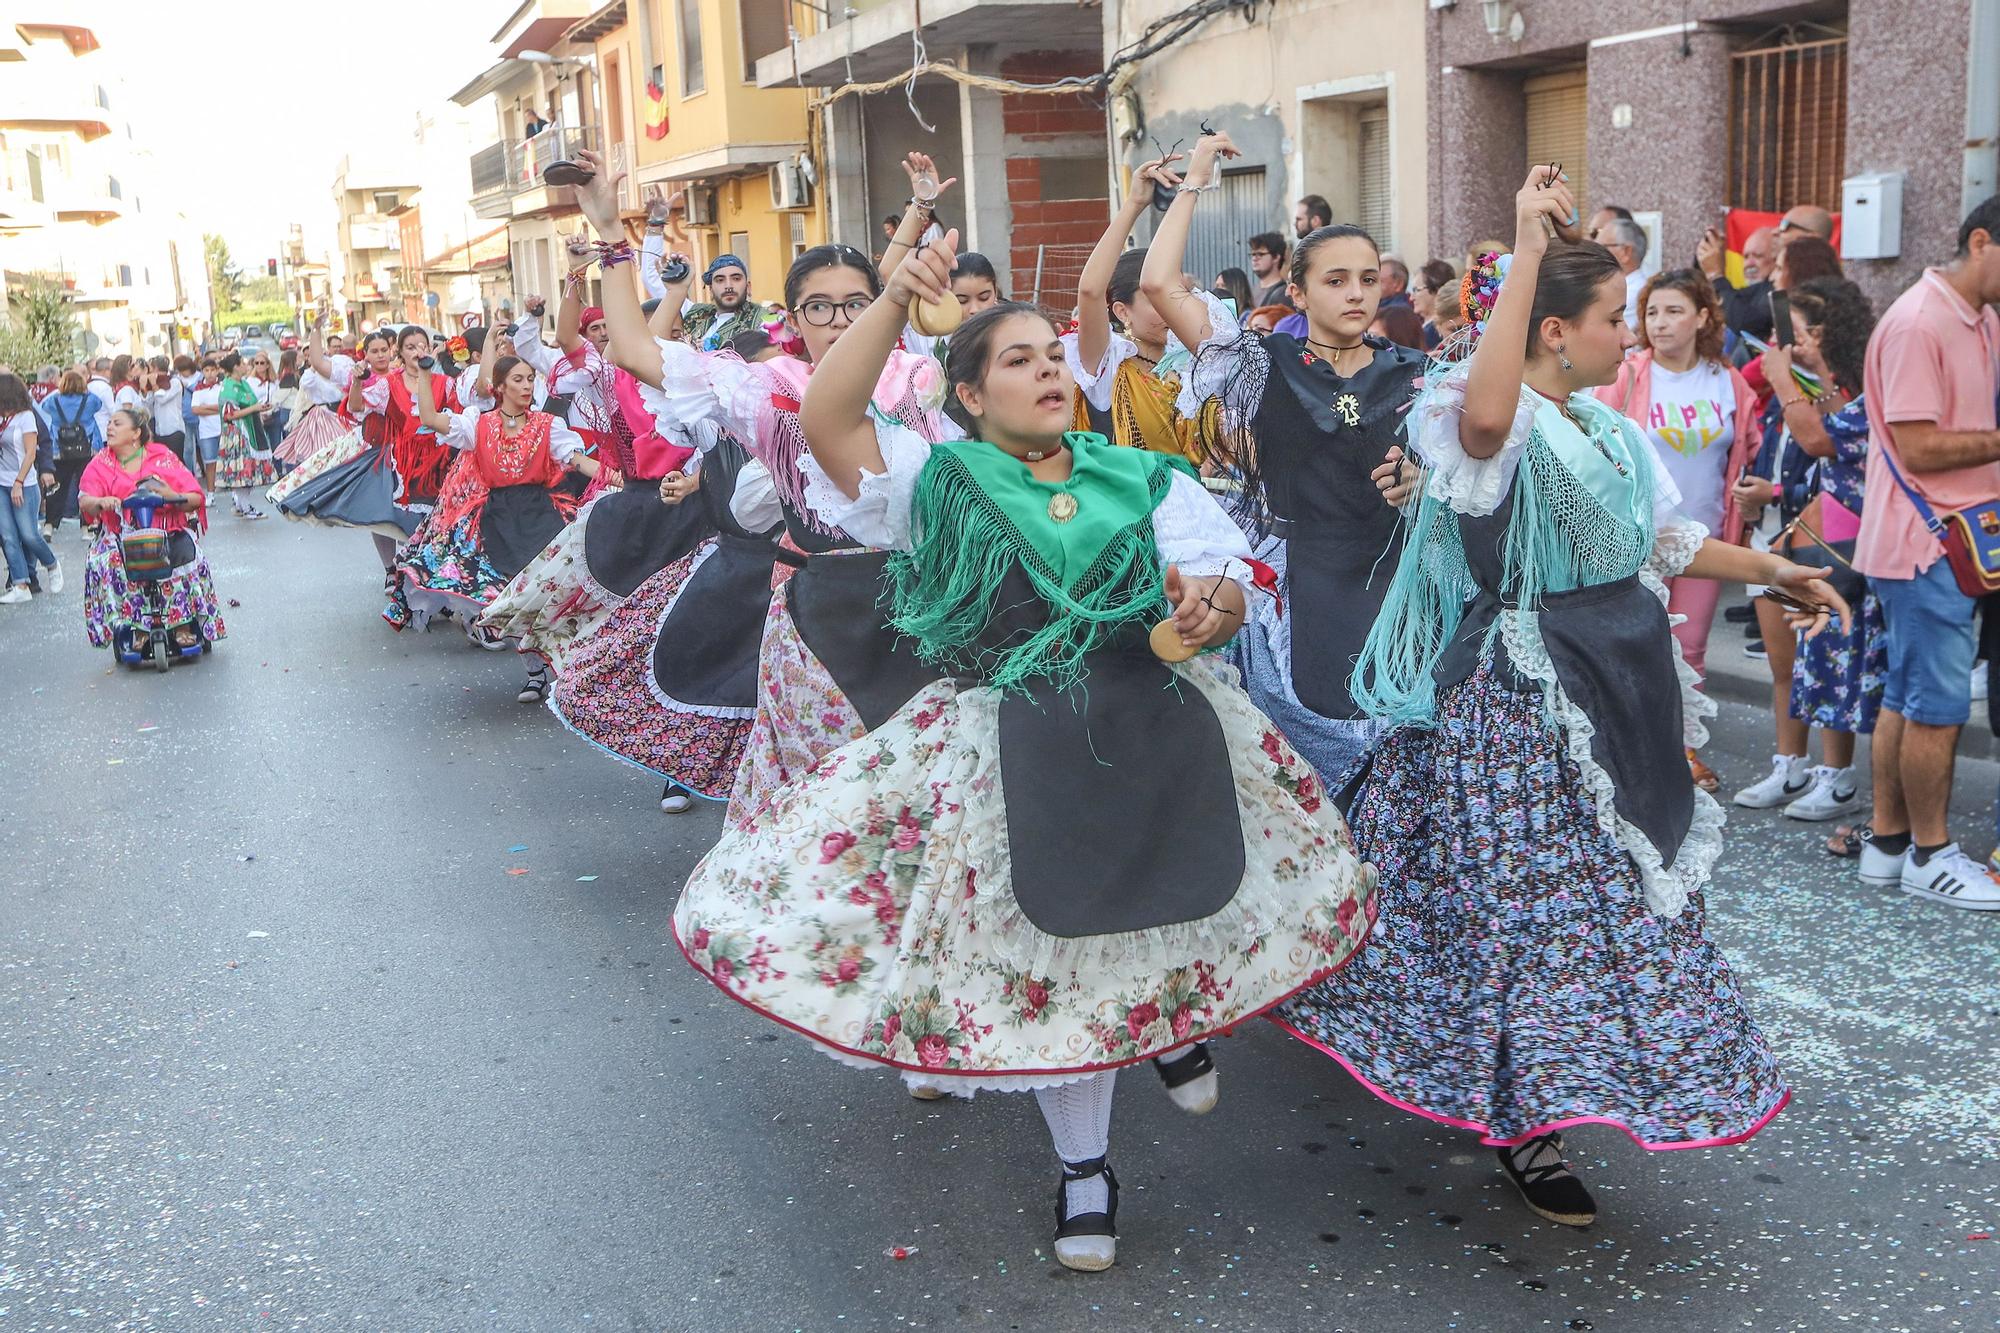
1374	188
1220	235
1558	113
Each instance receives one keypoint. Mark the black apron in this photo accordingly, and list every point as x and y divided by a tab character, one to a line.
1120	798
1342	541
705	653
515	524
629	535
1613	655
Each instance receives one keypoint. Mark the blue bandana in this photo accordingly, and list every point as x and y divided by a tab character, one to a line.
721	262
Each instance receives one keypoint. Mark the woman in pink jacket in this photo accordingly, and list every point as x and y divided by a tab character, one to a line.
1701	417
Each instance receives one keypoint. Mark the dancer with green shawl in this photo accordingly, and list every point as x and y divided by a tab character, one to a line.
1080	849
244	460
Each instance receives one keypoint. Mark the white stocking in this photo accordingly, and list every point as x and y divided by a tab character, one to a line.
1079	1116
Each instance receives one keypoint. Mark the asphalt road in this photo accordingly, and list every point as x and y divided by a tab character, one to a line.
335	991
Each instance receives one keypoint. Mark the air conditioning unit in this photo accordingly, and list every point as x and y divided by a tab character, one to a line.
701	209
788	187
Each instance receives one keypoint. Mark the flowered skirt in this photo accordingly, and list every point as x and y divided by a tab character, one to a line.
344	446
606	693
239	463
1517	982
868	907
1837	678
110	603
802	715
318	428
553	603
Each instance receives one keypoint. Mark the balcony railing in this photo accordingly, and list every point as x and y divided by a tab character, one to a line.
527	160
489	169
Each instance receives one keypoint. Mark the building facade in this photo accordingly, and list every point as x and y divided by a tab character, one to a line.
1324	97
75	191
1680	111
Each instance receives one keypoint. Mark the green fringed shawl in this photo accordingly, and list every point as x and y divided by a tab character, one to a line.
979	513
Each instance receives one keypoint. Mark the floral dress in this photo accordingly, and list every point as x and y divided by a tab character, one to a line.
933	897
1837	675
1541	959
243	460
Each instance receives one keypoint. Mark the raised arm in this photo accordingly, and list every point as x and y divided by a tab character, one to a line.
835	416
632	346
1093	289
1162	278
569	317
316	356
1493	381
917	215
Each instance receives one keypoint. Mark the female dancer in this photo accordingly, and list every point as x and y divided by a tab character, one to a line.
949	908
576	369
1121	337
1541	960
323	380
499	506
1310	425
128	462
245	460
829	669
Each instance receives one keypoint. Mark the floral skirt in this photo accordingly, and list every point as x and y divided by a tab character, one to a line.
1516	982
802	715
237	465
605	693
313	432
553	603
1837	678
111	604
868	907
343	447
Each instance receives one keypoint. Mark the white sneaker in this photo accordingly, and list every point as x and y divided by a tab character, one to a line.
1791	777
1835	792
52	580
16	595
1880	868
676	803
1955	878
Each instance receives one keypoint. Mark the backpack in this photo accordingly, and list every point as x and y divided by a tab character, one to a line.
72	440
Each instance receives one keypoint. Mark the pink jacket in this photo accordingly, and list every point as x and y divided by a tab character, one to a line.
1632	394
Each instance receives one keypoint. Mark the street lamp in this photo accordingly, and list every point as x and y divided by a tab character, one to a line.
1503	19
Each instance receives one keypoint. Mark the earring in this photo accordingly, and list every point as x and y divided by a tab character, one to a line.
1563	360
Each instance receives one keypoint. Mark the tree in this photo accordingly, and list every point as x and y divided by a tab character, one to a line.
41	330
225	280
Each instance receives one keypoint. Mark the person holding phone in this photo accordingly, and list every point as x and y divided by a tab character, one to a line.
1700	418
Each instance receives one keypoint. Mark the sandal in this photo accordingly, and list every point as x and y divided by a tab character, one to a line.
537	687
1704	776
1845	841
185	637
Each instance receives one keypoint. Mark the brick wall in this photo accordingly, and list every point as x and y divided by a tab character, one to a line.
1037	125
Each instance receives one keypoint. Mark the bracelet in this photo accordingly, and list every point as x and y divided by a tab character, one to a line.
1189	187
927	209
610	254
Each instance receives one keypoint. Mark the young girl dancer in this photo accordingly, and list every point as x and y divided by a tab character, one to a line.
829	669
1541	960
1309	425
949	906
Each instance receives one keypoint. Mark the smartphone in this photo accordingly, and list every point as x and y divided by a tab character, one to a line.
1781	319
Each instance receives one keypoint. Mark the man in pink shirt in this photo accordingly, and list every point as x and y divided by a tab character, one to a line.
1930	377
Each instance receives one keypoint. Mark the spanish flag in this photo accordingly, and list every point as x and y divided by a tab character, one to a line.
656	111
1742	222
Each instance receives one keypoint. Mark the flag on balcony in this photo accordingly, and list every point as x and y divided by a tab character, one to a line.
656	111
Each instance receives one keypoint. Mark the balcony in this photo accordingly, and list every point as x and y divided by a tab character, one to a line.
875	43
95	200
491	196
527	160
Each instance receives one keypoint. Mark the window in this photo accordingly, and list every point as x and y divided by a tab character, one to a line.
694	79
112	186
35	176
739	245
1373	182
1788	124
124	275
614	97
385	201
1220	236
764	31
798	233
1557	113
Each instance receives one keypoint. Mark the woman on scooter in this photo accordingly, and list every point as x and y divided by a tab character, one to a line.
132	463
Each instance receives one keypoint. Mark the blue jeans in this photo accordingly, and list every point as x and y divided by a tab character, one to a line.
1933	636
21	534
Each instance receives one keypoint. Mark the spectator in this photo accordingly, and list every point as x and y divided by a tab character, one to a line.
205	406
1267	267
1432	278
1483	248
100	386
1448	310
70	417
1400	325
1806	219
1929	385
45	383
1803	259
1745	309
1599	229
1701	419
21	500
1626	240
1233	284
1815	442
1268	318
1395	282
1312	213
164	408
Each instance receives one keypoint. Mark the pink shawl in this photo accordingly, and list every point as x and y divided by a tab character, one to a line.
103	477
653	454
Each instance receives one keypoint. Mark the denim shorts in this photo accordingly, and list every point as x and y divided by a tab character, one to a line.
210	447
1933	637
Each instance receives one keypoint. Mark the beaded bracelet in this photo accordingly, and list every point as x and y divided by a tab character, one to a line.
610	254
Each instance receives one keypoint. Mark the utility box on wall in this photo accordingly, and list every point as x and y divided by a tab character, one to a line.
1871	216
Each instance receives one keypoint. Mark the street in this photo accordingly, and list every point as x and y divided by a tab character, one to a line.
338	992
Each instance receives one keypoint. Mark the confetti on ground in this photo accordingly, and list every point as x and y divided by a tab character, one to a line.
150	726
258	935
586	879
251	857
517	870
900	1252
1980	1235
114	761
518	847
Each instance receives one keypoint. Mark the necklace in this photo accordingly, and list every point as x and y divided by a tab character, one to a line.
511	420
1336	349
1037	455
1562	406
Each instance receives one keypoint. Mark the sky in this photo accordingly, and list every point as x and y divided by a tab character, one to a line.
247	108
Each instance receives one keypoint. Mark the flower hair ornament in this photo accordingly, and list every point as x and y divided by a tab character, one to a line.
457	347
784	337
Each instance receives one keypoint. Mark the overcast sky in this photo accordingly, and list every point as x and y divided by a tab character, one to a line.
248	107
